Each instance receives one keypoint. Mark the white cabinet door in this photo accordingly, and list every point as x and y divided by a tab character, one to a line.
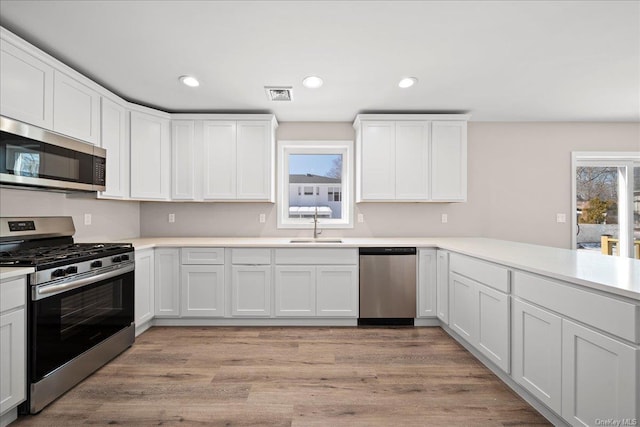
251	290
183	157
295	291
167	282
442	293
202	290
463	298
13	374
481	316
449	161
76	109
115	139
144	287
378	161
412	160
537	353
254	161
219	172
337	291
599	377
427	276
493	338
26	87
150	157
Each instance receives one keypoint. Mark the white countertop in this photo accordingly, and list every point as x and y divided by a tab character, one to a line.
615	275
11	272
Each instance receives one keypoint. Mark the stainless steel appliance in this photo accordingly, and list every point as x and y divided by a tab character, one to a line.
32	156
387	286
80	302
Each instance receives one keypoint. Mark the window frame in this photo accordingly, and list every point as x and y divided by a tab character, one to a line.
287	147
626	160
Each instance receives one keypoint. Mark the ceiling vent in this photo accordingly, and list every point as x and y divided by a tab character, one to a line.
279	93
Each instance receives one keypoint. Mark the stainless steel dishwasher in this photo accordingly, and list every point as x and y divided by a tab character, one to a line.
387	286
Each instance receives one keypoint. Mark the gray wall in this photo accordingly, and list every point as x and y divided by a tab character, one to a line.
519	178
110	219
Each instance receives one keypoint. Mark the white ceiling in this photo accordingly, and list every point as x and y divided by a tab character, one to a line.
498	60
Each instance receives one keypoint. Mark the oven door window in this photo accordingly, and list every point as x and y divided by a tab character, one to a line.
67	324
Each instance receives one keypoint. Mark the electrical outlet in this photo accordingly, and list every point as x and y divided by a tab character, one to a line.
172	217
87	219
561	218
360	218
444	218
263	218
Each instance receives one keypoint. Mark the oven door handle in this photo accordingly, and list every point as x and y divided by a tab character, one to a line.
50	290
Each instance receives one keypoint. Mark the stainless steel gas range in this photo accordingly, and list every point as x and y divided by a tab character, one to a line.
80	302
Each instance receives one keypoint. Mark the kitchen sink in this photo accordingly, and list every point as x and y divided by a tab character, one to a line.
315	241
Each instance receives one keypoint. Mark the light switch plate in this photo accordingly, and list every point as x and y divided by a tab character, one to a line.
87	219
561	218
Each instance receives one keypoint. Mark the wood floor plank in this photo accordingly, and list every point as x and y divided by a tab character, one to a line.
283	376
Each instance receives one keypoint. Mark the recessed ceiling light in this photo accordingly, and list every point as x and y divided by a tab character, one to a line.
312	82
189	81
407	82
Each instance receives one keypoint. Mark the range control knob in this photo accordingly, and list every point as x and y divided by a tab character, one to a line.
124	257
71	270
116	259
58	273
96	264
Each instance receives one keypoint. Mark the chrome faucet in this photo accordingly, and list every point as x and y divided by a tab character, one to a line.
316	232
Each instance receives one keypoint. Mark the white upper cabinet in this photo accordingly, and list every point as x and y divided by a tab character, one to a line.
449	161
411	158
376	154
219	143
76	109
150	161
114	137
223	158
255	157
26	87
183	156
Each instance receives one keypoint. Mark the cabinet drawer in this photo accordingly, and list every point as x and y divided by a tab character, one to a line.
13	294
611	315
489	274
311	256
251	256
202	256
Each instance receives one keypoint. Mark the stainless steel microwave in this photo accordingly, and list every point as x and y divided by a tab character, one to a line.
35	157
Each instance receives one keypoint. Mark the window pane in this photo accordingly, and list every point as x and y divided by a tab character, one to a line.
320	178
597	208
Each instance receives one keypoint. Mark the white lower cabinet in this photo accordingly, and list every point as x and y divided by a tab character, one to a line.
480	315
442	286
202	290
295	291
13	374
537	353
144	287
167	282
599	377
337	291
251	290
427	278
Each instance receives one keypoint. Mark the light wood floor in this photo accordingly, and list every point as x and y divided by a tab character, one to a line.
291	377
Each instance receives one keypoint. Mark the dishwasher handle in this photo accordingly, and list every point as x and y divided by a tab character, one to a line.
387	251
